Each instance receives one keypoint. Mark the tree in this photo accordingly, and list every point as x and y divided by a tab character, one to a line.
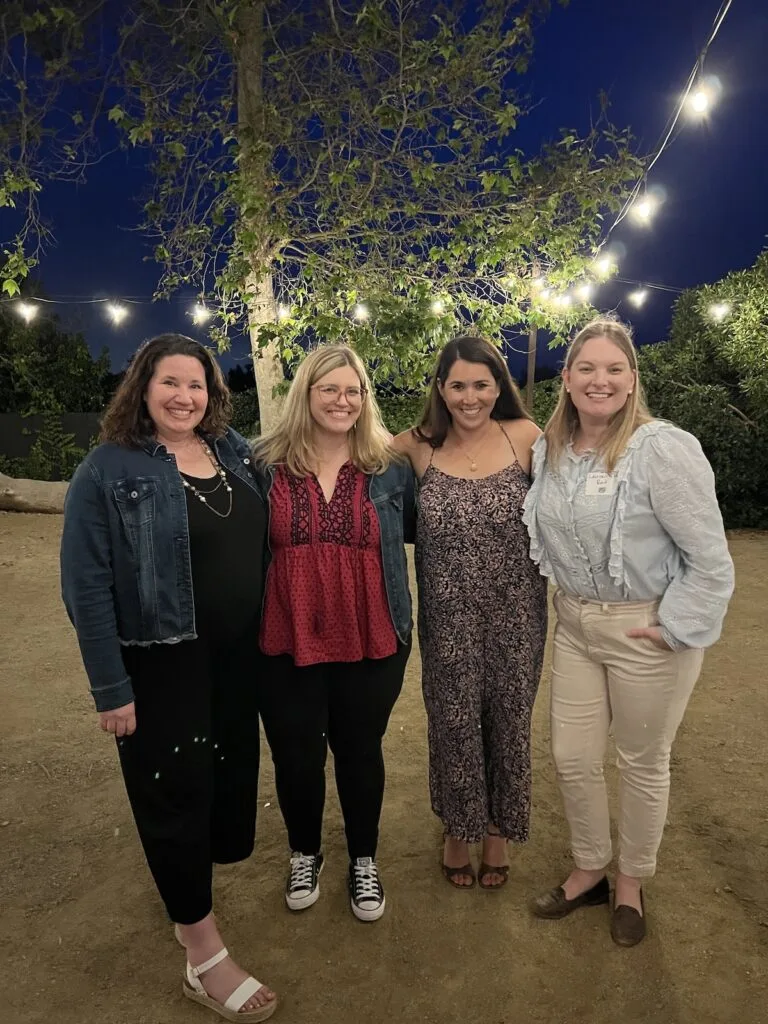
45	135
46	370
327	170
711	378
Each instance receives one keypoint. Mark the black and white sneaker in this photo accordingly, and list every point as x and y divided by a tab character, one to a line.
302	888
366	893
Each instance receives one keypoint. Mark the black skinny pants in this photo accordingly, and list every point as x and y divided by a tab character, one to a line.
191	768
342	704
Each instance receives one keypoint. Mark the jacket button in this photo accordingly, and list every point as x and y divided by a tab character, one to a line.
247	462
134	494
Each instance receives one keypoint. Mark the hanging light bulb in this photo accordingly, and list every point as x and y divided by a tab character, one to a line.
563	301
605	266
360	312
538	282
703	96
116	313
719	311
637	298
643	209
584	292
200	314
26	310
283	312
438	307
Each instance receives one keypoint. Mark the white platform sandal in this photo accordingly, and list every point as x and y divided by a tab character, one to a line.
230	1010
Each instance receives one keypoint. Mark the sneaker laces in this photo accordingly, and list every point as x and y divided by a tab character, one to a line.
366	880
302	870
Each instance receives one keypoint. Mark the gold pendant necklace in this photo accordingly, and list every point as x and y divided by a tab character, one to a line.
468	456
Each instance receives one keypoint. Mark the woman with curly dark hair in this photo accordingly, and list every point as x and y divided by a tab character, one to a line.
162	577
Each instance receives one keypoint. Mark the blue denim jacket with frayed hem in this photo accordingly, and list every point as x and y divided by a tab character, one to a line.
126	575
393	495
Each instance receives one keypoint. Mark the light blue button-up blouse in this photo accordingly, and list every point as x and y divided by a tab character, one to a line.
655	532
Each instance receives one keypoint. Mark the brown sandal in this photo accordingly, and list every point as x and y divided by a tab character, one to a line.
493	869
453	873
490	869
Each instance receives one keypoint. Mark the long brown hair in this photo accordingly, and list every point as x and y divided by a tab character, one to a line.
436	420
564	421
126	420
291	444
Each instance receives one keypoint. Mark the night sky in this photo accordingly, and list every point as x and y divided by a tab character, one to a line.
715	218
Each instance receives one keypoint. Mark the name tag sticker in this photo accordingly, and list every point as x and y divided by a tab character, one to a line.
600	483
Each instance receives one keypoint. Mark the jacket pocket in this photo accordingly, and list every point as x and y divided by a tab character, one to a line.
135	500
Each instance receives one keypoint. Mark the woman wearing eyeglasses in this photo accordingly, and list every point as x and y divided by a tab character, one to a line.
337	615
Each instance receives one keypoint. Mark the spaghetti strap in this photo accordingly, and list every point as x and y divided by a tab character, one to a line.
431	454
509	442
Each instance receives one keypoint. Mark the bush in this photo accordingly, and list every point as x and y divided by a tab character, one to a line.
736	447
245	413
400	412
53	455
545	399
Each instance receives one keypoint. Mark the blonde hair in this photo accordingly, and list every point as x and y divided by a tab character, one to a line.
291	442
563	422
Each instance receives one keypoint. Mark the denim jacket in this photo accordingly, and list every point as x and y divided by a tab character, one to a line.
393	496
126	574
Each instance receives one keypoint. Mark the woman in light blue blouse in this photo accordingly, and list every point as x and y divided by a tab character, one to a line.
624	519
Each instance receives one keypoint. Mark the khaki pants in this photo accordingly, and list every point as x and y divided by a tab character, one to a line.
602	679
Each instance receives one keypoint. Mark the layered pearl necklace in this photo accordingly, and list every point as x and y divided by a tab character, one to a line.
202	496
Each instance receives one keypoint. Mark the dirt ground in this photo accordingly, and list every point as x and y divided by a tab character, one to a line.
83	938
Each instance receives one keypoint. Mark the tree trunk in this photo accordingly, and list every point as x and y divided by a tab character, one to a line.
267	367
533	336
31	495
249	57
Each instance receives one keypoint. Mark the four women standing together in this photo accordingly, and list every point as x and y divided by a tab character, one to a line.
173	524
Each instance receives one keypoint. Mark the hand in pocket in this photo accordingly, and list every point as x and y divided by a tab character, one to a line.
652	633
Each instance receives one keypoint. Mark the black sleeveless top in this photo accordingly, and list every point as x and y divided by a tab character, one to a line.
227	556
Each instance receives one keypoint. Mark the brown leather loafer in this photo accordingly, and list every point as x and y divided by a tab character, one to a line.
627	925
554	905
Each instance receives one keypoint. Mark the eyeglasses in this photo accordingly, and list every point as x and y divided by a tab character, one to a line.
330	392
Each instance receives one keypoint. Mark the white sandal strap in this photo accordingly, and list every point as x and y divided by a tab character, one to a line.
242	994
202	968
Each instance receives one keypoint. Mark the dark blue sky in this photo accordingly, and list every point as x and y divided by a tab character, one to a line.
715	218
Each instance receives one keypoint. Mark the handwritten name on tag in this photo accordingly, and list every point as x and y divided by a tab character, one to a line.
599	483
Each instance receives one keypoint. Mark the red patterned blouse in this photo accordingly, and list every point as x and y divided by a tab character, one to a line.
326	599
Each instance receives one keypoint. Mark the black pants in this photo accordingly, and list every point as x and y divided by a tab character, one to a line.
346	705
191	768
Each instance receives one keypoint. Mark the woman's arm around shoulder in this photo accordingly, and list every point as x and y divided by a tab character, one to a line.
417	452
523	433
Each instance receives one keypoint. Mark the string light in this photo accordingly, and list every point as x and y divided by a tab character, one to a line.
116	313
283	312
438	307
605	266
585	292
563	301
700	100
200	314
719	311
360	312
26	311
637	298
538	282
642	210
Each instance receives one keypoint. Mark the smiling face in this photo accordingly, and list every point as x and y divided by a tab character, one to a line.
469	392
177	396
600	380
336	400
